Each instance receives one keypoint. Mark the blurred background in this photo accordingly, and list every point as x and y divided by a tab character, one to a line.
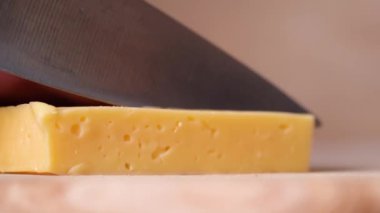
324	53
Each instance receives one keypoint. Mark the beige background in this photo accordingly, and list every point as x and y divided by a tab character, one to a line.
325	53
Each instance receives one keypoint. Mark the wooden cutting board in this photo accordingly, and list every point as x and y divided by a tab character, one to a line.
312	192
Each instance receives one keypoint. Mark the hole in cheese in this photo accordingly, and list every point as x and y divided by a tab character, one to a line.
214	153
211	152
159	152
213	132
178	126
209	128
285	127
159	127
58	126
126	138
127	166
75	129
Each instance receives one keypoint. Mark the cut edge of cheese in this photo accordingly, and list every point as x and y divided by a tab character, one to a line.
39	138
23	144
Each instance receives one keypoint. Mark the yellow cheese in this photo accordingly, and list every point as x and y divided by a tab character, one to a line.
40	138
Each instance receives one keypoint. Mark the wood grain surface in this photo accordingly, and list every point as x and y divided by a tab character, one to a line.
314	192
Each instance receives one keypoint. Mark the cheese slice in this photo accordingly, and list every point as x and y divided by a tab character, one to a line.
39	138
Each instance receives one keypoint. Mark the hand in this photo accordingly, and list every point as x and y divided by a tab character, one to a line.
14	90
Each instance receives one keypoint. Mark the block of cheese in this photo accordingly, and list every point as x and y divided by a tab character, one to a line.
40	138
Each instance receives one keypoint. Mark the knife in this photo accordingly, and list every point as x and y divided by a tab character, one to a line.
126	52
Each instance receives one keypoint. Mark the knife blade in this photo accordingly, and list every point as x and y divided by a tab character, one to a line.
126	52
